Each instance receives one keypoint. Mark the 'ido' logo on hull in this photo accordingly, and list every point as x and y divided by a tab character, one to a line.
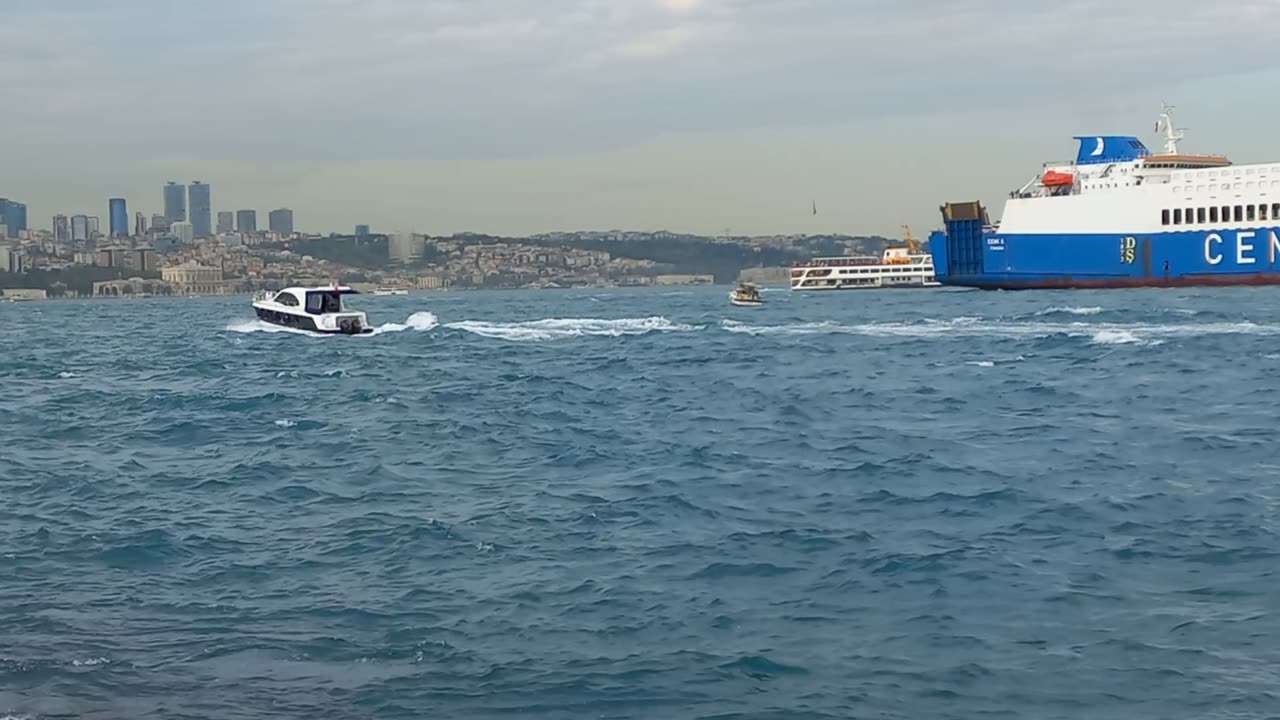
1128	250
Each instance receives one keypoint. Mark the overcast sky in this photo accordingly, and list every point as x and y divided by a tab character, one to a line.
519	116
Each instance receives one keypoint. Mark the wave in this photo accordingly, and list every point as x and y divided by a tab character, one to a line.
548	329
558	328
1069	311
967	327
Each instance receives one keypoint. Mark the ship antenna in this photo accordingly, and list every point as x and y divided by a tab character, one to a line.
1171	135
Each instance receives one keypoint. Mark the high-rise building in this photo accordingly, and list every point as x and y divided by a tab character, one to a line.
159	222
61	229
92	221
79	228
406	247
183	231
362	230
118	214
280	221
139	224
226	222
175	202
13	215
247	221
201	214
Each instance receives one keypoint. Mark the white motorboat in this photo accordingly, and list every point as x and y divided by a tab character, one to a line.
746	295
317	309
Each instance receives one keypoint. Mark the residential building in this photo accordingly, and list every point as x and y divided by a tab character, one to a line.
280	221
247	221
183	232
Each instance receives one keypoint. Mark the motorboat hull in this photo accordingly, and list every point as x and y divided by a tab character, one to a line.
303	321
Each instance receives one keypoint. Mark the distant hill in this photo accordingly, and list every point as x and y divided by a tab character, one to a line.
723	257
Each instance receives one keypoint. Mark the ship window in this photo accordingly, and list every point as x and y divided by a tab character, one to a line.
1164	217
1275	211
1262	212
1252	213
1177	216
285	298
1213	187
1239	213
1200	216
1226	214
1213	214
1191	214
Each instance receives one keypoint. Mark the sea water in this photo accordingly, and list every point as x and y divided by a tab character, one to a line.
644	504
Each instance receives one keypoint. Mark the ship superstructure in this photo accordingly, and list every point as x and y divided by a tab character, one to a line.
1118	216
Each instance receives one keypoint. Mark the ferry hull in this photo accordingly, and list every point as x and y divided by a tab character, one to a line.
967	254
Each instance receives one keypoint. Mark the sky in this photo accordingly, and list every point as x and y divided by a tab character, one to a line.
525	116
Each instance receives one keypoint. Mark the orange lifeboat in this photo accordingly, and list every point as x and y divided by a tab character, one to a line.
1053	178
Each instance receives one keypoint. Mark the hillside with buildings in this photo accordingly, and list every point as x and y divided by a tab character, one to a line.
190	250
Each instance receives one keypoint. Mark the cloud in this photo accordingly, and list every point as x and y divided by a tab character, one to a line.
285	83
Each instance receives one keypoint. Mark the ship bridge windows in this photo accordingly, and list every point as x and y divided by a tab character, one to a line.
1251	213
1262	212
1200	216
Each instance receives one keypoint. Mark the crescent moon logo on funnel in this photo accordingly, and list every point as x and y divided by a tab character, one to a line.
1098	150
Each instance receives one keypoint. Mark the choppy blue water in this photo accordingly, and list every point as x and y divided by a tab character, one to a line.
645	504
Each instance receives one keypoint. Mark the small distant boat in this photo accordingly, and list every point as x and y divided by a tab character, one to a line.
746	295
385	290
317	309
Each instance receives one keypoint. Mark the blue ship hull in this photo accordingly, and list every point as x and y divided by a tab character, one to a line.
969	254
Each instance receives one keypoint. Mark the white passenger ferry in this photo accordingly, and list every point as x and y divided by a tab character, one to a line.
900	266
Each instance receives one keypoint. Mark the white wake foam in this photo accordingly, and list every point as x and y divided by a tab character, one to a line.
420	321
1101	333
557	328
1070	311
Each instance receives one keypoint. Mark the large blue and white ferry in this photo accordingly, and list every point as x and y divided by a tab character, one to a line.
1121	216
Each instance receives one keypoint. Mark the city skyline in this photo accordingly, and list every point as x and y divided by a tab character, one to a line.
176	200
691	115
